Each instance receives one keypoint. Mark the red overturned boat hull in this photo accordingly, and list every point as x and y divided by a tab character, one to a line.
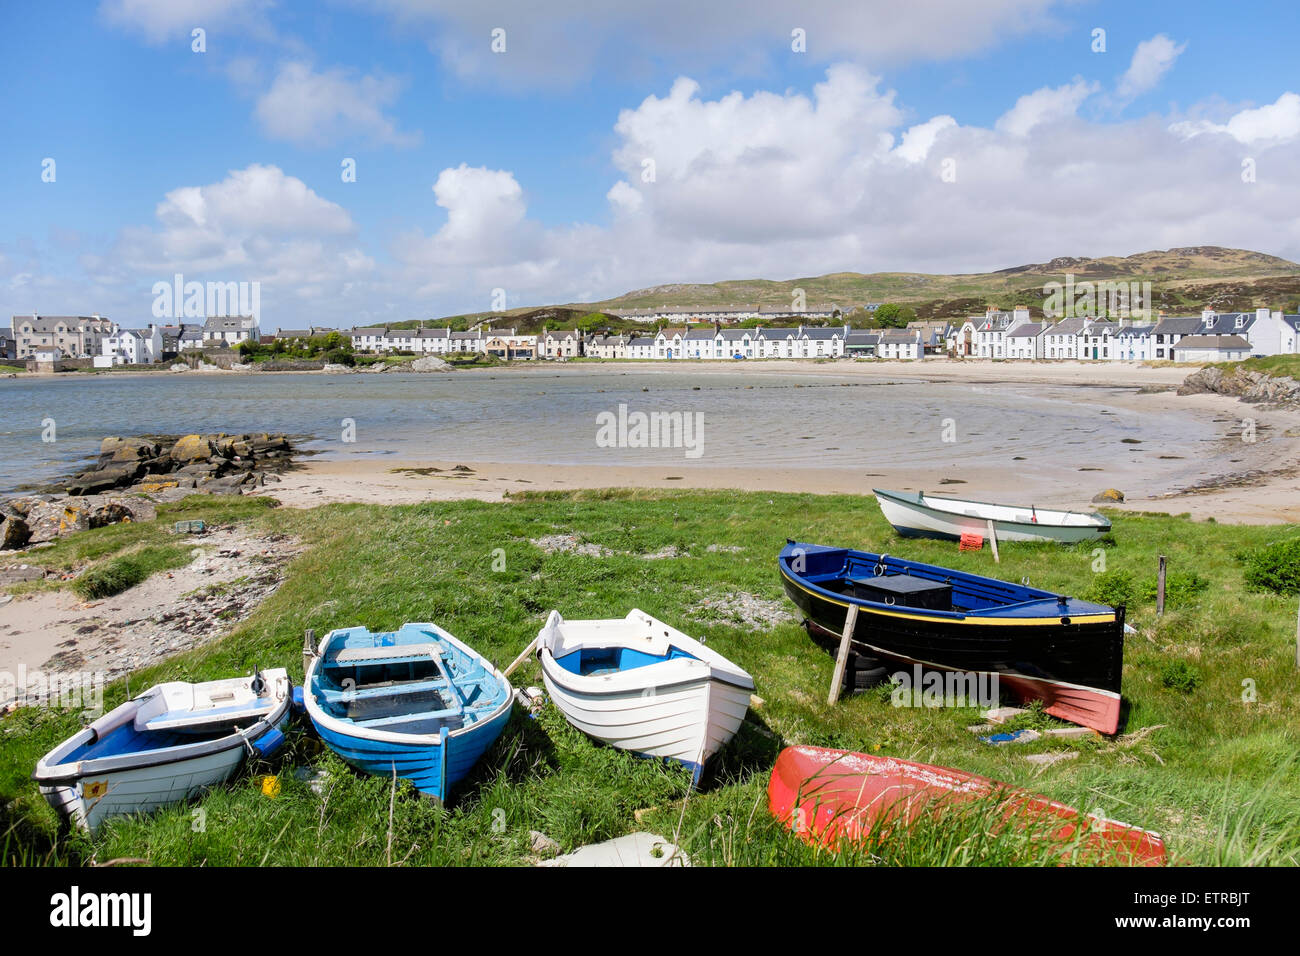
828	797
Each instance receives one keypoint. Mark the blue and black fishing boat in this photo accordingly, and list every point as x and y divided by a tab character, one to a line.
1040	645
416	702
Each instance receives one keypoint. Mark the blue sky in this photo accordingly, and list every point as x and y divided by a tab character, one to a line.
524	170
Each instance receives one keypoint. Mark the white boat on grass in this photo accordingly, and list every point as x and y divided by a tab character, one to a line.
166	746
919	515
637	684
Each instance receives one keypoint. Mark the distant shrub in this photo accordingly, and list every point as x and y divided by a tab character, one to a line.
1111	587
1180	676
340	357
1274	567
1180	588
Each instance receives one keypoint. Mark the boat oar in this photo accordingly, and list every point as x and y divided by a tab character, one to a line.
521	658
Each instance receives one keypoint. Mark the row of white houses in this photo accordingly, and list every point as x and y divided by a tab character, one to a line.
704	342
1211	336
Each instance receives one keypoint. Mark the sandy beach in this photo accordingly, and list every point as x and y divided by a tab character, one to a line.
1239	481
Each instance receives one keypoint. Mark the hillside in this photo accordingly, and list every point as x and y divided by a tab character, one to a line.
1184	280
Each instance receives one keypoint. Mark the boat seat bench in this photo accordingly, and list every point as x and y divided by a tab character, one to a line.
387	690
387	654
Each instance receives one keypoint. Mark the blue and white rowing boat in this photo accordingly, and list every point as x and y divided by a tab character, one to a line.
416	702
166	746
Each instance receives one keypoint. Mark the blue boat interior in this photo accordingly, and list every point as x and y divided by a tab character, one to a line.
594	661
837	569
126	739
409	681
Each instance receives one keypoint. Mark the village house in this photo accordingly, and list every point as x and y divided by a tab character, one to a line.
1132	343
230	330
984	336
75	336
560	344
1061	340
778	343
607	346
901	344
670	343
861	343
131	347
1096	340
642	347
1211	348
1168	330
288	335
8	346
507	344
821	343
1024	341
367	339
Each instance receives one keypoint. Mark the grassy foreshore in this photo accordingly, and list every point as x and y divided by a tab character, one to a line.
1216	775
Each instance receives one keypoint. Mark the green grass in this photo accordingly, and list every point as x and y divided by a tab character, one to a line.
1208	762
1278	366
114	575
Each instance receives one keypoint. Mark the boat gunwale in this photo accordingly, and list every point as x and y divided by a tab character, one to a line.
954	617
1100	524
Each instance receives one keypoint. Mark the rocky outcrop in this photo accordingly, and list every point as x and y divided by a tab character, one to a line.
1244	384
14	533
151	464
132	474
428	363
1109	496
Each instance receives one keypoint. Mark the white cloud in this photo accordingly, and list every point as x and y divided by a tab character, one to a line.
163	20
1046	105
1277	122
322	108
918	140
564	40
257	224
1151	61
769	184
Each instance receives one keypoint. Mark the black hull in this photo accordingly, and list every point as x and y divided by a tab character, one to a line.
1075	668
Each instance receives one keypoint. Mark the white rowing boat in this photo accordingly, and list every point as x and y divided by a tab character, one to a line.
919	515
167	745
639	685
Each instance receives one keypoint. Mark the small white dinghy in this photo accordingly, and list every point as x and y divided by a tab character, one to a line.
918	515
167	745
637	684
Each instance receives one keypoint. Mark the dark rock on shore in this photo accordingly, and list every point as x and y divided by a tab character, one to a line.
156	463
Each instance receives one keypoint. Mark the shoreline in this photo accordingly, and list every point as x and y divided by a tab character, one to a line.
1255	483
1025	371
1259	485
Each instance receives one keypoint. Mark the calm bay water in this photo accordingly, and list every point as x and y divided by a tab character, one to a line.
548	415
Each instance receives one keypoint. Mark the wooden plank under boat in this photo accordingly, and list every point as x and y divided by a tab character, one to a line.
638	684
919	515
416	702
832	797
165	746
1064	651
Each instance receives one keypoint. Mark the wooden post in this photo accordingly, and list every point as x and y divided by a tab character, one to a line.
993	539
521	658
308	651
842	659
1160	588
